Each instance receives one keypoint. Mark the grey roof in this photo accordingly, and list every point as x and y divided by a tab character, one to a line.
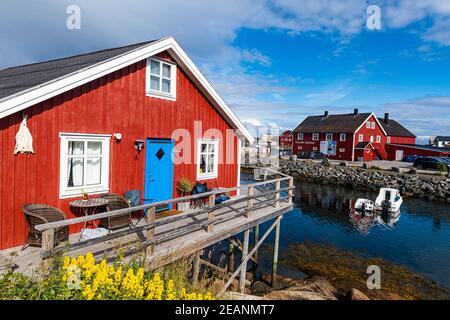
345	123
443	138
20	78
363	145
393	128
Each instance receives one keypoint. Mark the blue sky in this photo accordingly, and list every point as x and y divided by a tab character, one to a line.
273	61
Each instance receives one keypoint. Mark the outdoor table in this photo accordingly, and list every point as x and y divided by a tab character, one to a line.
88	207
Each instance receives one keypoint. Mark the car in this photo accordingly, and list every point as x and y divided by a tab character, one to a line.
304	155
424	163
318	155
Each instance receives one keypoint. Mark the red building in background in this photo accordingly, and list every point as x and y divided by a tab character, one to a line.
286	143
353	137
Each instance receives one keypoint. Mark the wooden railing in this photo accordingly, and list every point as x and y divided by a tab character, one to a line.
48	229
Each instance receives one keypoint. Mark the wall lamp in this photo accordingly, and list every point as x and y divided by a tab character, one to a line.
139	145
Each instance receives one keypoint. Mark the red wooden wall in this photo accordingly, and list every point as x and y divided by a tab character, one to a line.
308	145
411	151
403	140
114	103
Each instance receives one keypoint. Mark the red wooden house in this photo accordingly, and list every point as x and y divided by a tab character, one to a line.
285	143
356	136
134	117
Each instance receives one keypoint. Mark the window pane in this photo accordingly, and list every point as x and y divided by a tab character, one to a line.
166	86
154	83
166	71
75	172
210	163
94	148
93	171
203	147
76	148
211	147
154	67
202	168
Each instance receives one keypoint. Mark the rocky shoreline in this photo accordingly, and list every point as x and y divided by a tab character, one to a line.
410	184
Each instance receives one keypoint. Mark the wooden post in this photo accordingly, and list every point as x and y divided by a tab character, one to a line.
255	241
211	204
275	253
244	267
277	193
196	268
250	202
231	258
151	231
48	243
291	191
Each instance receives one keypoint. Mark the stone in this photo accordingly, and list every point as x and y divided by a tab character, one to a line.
318	285
355	294
294	295
260	287
229	295
395	169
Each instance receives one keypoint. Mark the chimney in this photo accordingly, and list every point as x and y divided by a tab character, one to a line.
355	111
386	118
325	114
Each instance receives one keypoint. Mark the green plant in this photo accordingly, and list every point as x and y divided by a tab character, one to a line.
185	186
442	167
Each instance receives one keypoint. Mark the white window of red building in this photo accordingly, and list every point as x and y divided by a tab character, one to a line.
378	139
329	136
315	137
343	137
372	125
360	138
300	136
368	124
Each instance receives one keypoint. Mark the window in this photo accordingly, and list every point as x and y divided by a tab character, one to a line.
84	164
314	148
368	150
315	136
343	137
372	125
368	124
371	138
208	159
361	138
388	140
300	136
341	149
378	139
300	148
329	137
161	79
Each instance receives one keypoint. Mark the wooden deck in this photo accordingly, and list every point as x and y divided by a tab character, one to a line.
171	237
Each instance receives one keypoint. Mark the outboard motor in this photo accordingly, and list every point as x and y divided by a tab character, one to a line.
385	205
363	207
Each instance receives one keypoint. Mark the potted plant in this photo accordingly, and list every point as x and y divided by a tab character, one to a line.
84	195
184	187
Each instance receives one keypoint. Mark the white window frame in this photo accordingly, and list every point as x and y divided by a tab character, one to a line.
103	186
300	136
173	80
371	138
329	136
360	137
372	125
378	139
368	124
343	137
342	150
215	173
314	148
388	139
315	137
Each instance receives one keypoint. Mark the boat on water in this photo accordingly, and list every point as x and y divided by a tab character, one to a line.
389	200
364	205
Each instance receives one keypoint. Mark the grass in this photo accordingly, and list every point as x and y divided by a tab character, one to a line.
347	270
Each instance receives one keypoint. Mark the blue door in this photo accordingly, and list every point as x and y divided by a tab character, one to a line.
158	172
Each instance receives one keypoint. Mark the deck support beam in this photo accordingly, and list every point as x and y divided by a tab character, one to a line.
255	241
231	257
244	261
196	268
275	252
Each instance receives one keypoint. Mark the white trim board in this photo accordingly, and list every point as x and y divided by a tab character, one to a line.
24	99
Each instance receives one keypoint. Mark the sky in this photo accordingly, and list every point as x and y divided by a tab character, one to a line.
273	61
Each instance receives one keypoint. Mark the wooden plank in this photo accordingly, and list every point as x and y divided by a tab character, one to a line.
291	191
48	238
277	193
196	268
244	261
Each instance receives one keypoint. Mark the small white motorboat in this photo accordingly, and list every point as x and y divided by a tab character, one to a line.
389	200
364	205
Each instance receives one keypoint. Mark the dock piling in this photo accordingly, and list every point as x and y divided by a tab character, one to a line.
244	261
275	253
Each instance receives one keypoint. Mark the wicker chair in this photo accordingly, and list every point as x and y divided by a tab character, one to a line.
41	213
116	202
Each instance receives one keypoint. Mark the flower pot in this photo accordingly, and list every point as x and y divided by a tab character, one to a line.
183	206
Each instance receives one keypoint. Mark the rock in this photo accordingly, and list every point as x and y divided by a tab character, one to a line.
240	296
355	294
260	287
343	164
325	162
318	285
294	295
395	169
